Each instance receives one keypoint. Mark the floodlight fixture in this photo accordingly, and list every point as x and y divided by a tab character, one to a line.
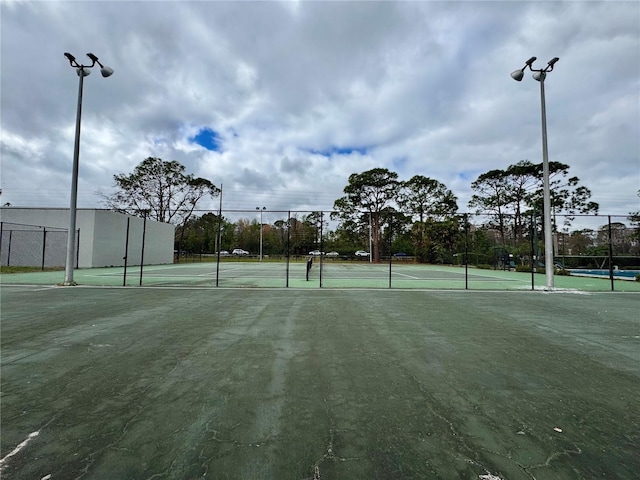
517	75
82	69
540	75
106	71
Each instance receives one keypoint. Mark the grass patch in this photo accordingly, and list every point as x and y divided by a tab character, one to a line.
16	269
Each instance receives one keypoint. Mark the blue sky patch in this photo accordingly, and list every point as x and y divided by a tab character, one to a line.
328	152
208	139
399	163
469	175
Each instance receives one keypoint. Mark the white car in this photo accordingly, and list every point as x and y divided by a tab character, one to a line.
239	251
315	253
362	253
332	254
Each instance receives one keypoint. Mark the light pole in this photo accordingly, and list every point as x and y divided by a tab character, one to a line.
82	71
263	209
540	75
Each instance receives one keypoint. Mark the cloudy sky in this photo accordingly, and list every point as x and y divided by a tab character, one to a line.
280	101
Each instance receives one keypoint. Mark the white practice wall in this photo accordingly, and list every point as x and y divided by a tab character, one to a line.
103	235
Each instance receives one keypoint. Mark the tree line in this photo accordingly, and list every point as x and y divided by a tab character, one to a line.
417	216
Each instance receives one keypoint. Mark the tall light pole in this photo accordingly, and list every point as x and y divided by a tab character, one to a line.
82	71
540	75
263	209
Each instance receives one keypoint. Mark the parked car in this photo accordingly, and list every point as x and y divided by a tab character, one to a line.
332	254
224	253
239	251
400	254
362	253
315	253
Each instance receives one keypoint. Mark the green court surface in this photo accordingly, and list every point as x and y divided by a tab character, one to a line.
328	274
186	383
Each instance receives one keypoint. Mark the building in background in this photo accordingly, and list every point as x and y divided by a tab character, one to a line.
38	237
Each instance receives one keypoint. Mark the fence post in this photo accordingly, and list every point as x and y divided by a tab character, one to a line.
288	244
78	249
219	241
9	249
321	244
219	238
533	238
44	246
390	245
126	254
610	253
466	251
144	233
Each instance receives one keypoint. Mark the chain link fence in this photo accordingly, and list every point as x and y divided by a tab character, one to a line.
33	245
601	246
372	250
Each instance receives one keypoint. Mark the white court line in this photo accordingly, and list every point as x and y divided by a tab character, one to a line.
19	447
30	288
408	276
165	271
224	270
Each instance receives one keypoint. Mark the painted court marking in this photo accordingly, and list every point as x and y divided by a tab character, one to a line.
18	448
408	276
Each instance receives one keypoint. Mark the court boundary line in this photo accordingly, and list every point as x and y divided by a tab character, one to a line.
18	448
536	291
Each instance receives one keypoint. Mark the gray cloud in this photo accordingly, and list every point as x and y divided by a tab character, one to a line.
423	86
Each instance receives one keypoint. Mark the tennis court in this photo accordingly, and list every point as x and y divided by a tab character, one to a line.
323	274
308	383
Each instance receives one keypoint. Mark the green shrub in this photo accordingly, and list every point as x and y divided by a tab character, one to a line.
484	266
638	277
556	271
523	268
